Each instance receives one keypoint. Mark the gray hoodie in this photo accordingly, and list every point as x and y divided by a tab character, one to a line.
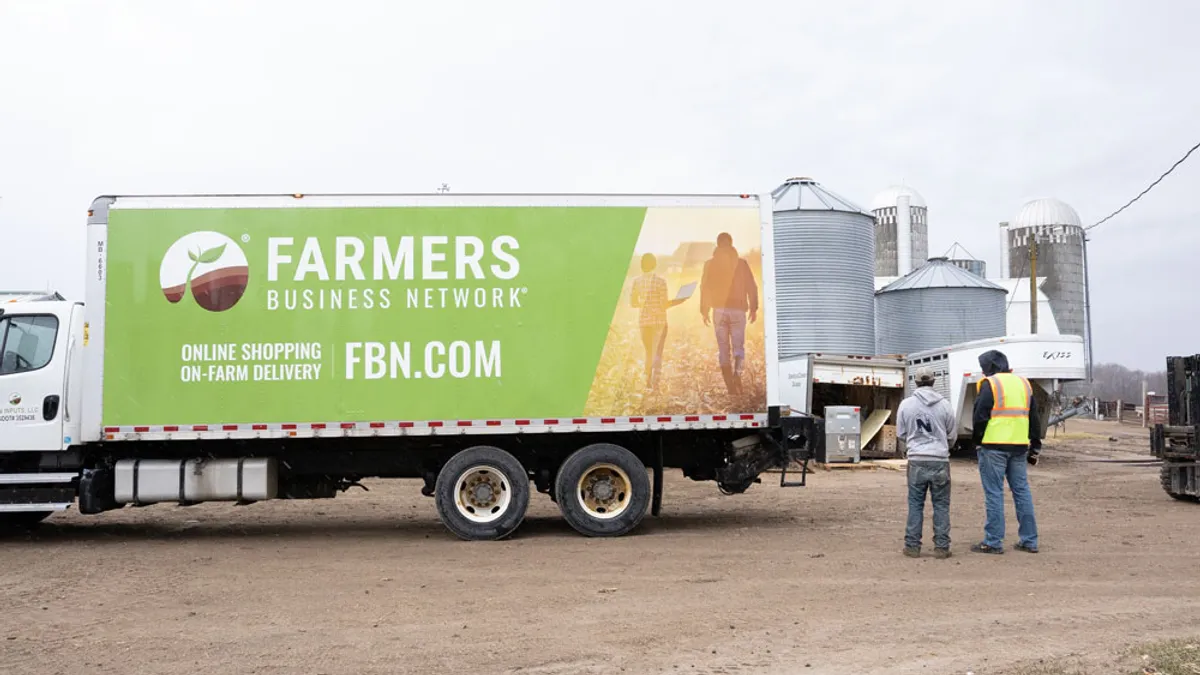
925	423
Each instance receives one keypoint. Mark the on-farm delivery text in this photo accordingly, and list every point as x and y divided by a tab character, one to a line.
232	362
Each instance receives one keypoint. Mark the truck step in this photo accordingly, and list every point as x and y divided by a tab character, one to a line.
27	508
36	478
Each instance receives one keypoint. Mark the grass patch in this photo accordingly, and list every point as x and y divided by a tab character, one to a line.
1170	657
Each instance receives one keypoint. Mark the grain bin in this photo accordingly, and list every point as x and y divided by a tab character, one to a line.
824	271
937	305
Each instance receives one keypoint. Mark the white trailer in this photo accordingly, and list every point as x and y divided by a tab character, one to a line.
1048	361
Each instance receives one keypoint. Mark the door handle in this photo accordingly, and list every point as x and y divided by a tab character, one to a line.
50	407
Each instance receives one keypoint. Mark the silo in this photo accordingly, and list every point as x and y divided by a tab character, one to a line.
824	271
938	305
1059	236
895	254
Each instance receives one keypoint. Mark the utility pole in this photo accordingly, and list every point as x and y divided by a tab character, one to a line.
1033	299
1087	308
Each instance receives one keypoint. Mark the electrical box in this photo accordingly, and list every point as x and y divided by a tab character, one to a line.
843	434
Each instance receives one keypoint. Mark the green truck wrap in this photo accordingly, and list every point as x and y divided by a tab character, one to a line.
312	314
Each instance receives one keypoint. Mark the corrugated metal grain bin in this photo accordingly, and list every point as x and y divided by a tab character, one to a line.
824	271
937	305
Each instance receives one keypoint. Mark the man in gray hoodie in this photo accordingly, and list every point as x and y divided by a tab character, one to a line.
925	423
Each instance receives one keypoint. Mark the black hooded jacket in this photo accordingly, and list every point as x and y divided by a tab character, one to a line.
992	362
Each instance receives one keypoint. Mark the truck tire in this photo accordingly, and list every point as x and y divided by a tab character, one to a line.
602	490
1164	477
482	493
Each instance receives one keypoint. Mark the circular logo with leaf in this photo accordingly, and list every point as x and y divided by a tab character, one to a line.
209	267
14	399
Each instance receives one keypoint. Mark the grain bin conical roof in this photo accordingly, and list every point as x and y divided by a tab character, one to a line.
806	194
938	273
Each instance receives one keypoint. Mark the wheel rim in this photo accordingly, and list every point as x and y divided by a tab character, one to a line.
604	491
482	494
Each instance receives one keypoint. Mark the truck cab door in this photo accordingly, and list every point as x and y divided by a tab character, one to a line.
34	346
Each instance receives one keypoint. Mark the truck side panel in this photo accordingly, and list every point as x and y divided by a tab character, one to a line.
282	317
95	288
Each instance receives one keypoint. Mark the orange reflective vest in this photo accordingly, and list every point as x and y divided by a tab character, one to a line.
1009	424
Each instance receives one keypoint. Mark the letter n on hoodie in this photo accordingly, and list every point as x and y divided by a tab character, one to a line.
925	422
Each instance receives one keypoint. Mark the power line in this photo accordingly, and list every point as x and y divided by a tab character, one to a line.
1148	188
1024	263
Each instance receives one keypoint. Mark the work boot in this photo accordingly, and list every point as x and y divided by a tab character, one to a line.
941	553
912	551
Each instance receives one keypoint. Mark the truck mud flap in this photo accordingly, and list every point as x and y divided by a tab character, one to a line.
97	490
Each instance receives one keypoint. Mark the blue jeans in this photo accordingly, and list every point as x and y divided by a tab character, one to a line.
932	477
994	467
730	328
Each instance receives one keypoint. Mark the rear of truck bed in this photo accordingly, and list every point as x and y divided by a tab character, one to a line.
253	347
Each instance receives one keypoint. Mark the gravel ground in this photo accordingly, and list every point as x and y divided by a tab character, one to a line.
807	580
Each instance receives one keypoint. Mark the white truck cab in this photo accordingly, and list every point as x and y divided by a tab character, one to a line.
41	337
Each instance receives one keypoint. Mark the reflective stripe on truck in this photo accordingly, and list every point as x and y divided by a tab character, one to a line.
434	427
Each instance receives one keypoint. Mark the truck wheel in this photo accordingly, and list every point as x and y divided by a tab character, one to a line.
1164	477
482	493
602	490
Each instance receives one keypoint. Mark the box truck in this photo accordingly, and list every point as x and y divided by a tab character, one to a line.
247	348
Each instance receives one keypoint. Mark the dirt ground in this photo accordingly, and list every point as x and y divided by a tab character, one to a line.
805	580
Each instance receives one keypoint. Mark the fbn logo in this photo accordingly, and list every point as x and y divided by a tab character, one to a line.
209	266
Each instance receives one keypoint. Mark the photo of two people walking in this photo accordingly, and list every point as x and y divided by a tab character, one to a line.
676	353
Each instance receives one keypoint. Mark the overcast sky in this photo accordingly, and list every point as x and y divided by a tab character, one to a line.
981	106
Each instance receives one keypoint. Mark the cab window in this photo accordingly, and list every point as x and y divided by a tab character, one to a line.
26	343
